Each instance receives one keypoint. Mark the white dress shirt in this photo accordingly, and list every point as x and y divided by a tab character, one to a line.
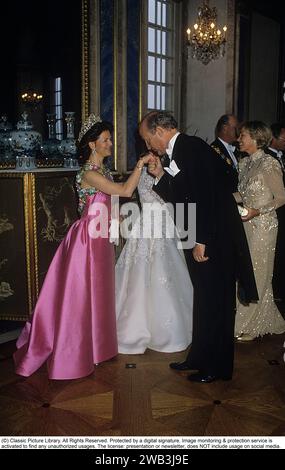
171	144
278	152
230	148
279	155
169	151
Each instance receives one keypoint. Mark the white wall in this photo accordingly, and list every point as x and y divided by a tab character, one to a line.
206	84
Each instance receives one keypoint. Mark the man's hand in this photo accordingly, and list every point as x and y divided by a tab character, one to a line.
199	253
155	167
147	158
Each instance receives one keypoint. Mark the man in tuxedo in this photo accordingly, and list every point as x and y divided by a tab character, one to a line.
277	145
220	255
276	150
225	146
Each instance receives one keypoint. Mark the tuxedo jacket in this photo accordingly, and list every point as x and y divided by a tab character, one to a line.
281	210
274	155
278	280
203	180
230	169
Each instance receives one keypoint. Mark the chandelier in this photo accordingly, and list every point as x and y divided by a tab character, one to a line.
31	98
206	40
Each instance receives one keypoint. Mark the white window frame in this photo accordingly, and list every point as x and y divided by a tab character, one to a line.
164	78
57	107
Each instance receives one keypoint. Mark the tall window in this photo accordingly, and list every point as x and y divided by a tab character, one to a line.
160	73
57	107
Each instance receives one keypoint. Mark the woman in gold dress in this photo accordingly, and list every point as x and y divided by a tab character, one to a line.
261	191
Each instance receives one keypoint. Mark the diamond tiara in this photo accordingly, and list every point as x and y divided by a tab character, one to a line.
90	121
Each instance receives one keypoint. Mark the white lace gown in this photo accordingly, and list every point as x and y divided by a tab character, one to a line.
154	294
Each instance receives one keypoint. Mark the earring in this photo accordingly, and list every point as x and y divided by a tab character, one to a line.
93	153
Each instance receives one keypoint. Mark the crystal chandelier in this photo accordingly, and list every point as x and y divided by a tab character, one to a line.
206	41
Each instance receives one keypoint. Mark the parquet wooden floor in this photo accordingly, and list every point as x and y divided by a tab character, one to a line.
149	399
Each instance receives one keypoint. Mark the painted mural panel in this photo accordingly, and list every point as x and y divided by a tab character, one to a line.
13	267
56	210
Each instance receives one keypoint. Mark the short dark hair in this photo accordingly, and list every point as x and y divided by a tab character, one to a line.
156	119
222	121
83	149
276	129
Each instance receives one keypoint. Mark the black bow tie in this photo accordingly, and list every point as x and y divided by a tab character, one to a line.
165	160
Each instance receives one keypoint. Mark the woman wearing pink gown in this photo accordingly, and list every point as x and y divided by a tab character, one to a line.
73	325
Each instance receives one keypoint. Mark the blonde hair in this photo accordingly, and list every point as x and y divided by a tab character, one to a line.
259	132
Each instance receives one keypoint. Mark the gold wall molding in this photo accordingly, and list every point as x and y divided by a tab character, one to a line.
120	85
115	82
84	60
29	239
140	64
35	239
94	57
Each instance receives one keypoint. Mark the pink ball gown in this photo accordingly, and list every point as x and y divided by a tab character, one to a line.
73	325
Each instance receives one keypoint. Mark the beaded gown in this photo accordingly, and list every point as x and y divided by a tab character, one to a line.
154	294
261	187
73	325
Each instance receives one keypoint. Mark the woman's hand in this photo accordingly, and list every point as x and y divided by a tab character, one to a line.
146	159
251	214
155	167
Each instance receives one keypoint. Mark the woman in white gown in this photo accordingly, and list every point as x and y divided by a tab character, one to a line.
154	294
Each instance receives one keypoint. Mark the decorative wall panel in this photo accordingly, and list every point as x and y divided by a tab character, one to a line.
36	210
14	271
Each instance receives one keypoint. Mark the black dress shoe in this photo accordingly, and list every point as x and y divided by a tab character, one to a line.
180	366
206	378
